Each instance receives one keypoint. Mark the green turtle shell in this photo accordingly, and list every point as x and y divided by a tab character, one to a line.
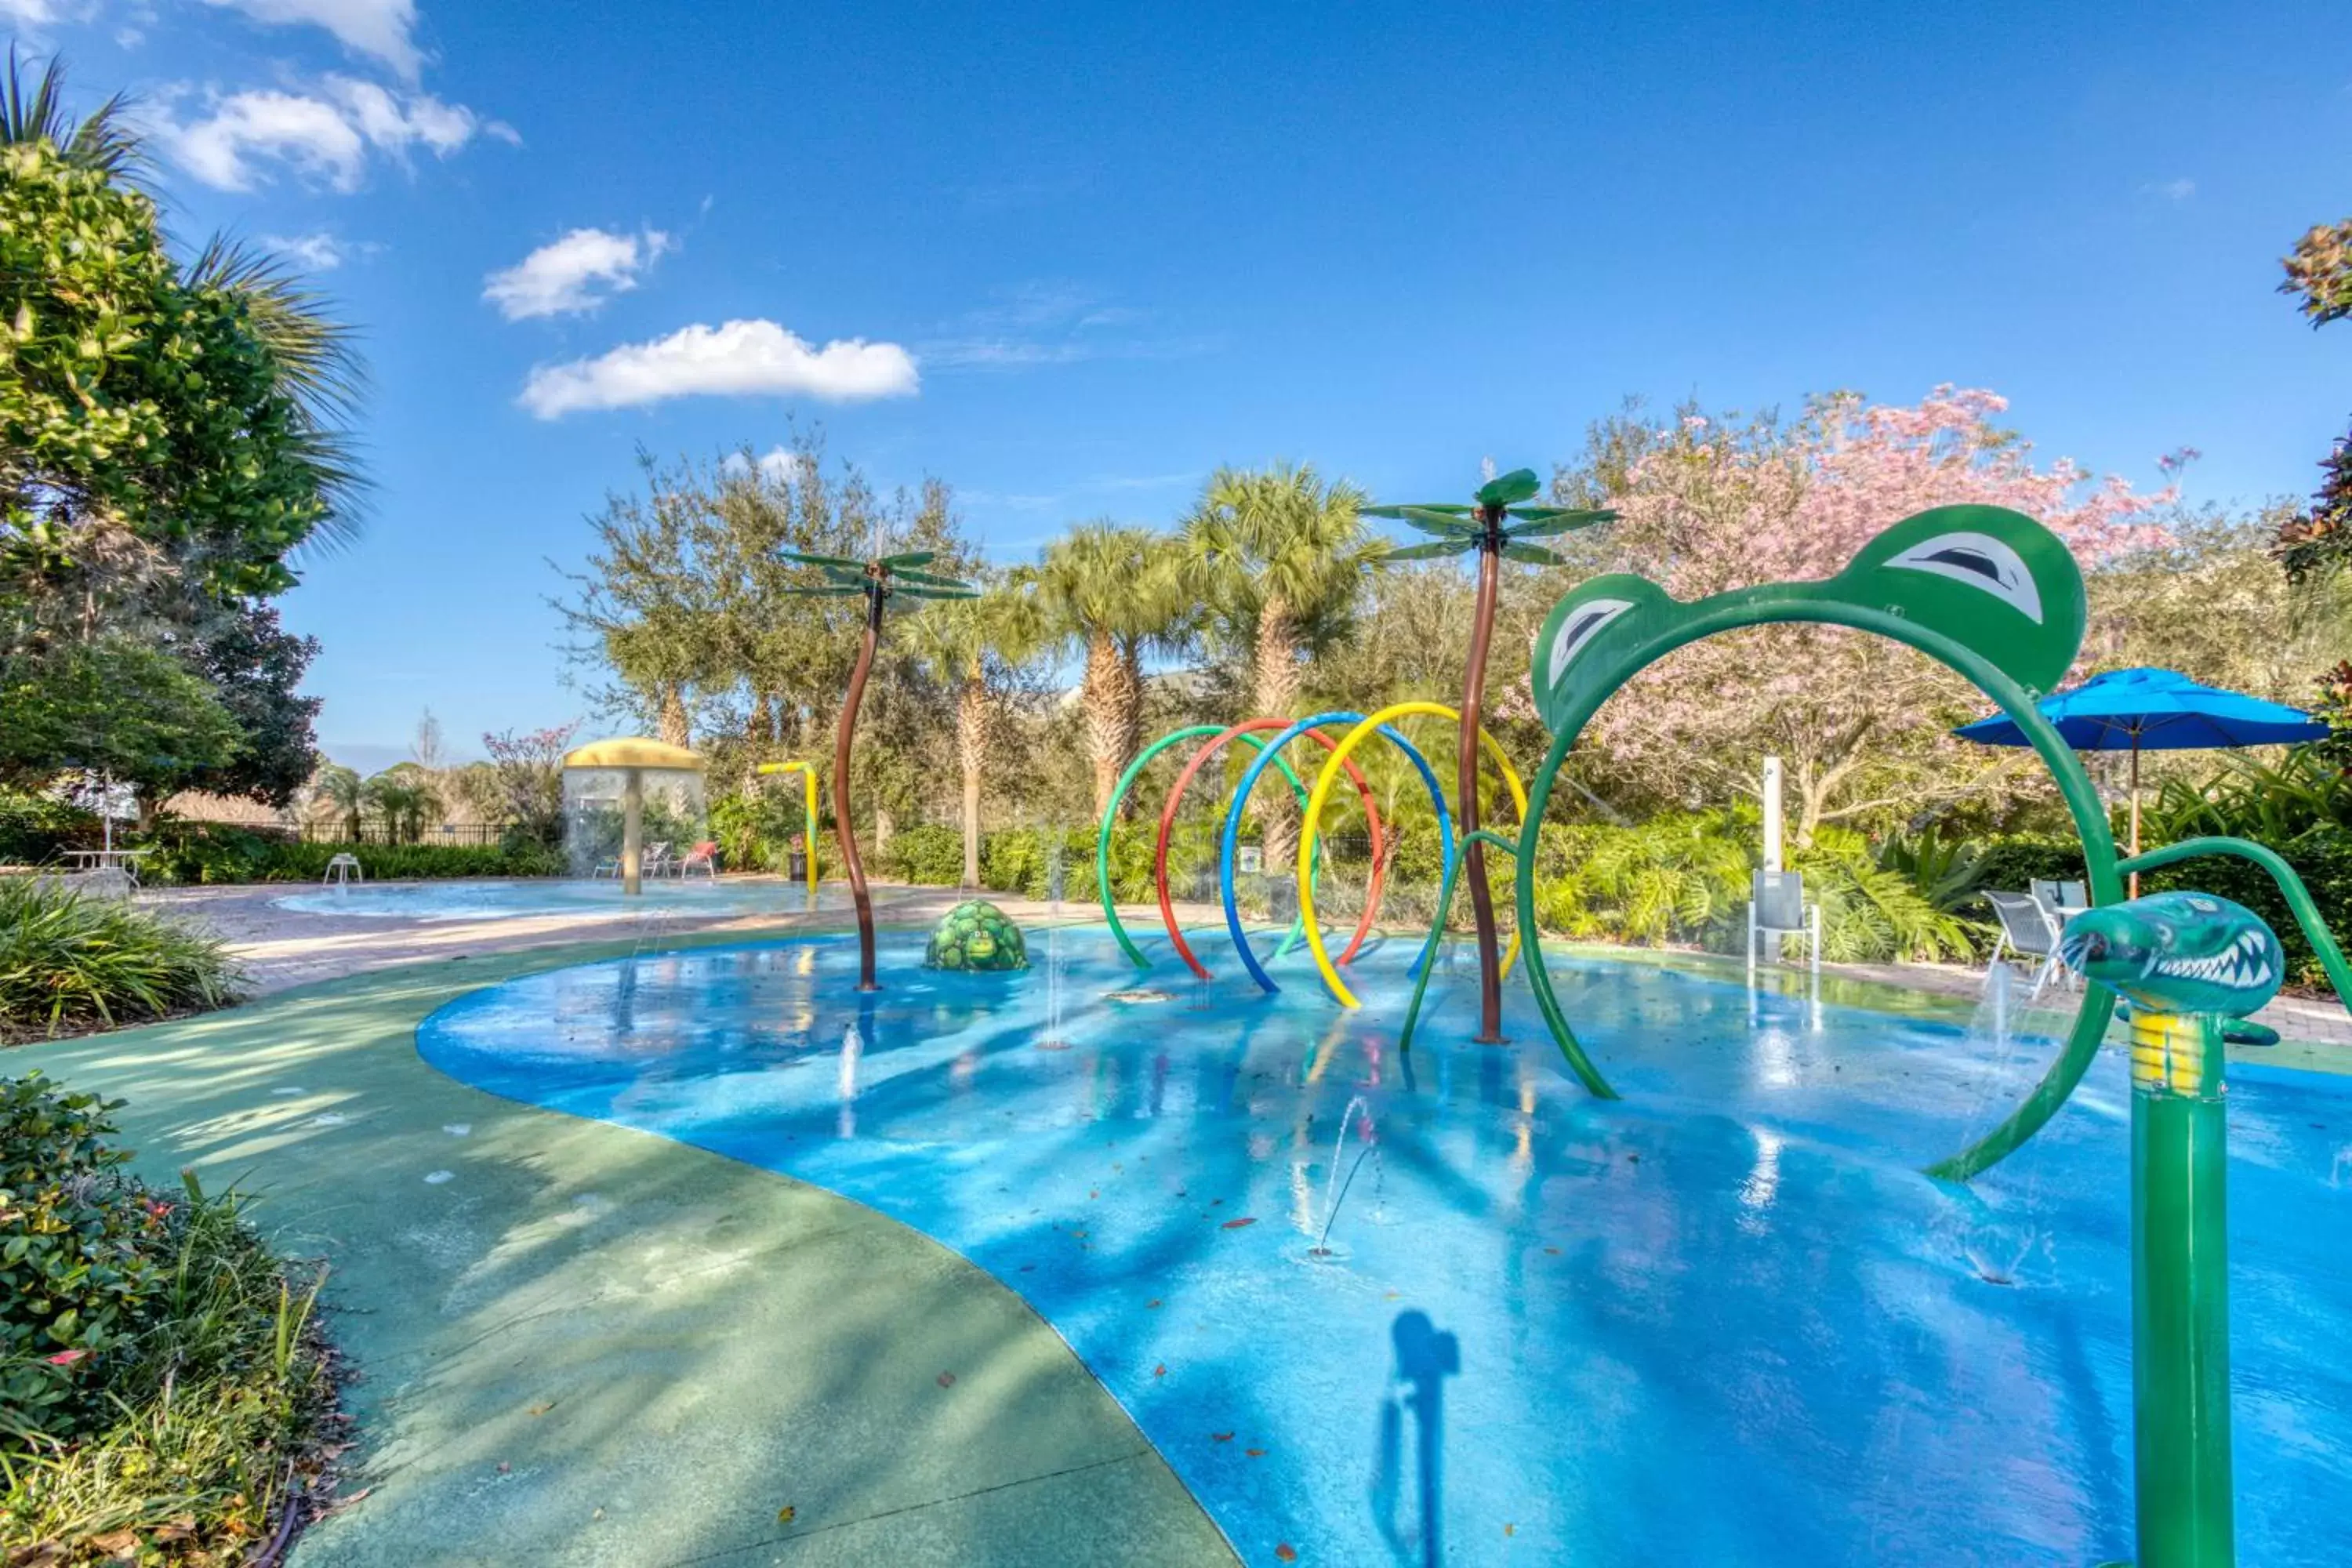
976	936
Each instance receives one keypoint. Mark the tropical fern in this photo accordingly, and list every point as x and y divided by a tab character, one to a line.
1871	913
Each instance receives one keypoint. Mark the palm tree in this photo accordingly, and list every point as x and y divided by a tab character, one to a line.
970	643
317	361
1114	590
404	795
1496	525
1278	558
879	580
340	790
101	141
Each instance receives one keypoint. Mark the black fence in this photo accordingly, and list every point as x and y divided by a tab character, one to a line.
475	834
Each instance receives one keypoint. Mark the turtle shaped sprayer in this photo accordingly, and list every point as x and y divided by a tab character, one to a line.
975	937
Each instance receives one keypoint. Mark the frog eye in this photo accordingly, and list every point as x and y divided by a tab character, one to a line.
1580	629
1980	561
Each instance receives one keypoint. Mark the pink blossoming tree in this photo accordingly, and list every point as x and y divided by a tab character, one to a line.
1859	722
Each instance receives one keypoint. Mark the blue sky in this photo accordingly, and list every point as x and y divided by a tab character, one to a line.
1071	258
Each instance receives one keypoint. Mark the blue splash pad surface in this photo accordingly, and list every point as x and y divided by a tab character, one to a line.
1724	1321
472	900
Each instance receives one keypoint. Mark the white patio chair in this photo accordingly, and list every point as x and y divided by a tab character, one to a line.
1776	908
2029	933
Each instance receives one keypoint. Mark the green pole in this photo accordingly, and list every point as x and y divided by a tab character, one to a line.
2180	1294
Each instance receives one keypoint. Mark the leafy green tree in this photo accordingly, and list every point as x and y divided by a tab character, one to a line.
254	667
2316	545
683	602
530	768
170	433
1278	559
114	707
197	409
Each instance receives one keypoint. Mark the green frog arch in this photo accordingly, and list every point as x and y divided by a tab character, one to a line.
1997	597
1988	593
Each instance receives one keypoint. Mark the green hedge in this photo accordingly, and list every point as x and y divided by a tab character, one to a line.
1019	860
2321	856
212	853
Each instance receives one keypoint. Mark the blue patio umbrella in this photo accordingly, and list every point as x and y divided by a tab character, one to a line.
2154	710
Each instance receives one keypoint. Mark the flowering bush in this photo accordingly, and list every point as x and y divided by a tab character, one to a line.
162	1378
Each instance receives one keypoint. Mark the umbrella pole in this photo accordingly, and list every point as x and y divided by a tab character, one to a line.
2135	820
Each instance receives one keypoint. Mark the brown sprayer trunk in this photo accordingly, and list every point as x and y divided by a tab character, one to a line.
1465	810
841	823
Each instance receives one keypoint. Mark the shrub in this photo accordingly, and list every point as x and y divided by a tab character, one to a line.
755	832
1871	913
1681	877
211	853
33	828
1021	859
161	1373
930	855
72	960
2251	799
74	1282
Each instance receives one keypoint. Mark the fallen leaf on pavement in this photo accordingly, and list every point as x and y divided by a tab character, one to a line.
1237	1223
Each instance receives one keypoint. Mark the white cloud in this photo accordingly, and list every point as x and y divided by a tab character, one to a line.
573	274
778	465
305	132
2170	190
325	137
319	252
381	29
740	359
43	13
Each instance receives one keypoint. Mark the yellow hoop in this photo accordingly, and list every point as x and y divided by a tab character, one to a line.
1323	781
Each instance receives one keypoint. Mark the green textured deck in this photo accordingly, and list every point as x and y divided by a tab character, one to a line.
584	1344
